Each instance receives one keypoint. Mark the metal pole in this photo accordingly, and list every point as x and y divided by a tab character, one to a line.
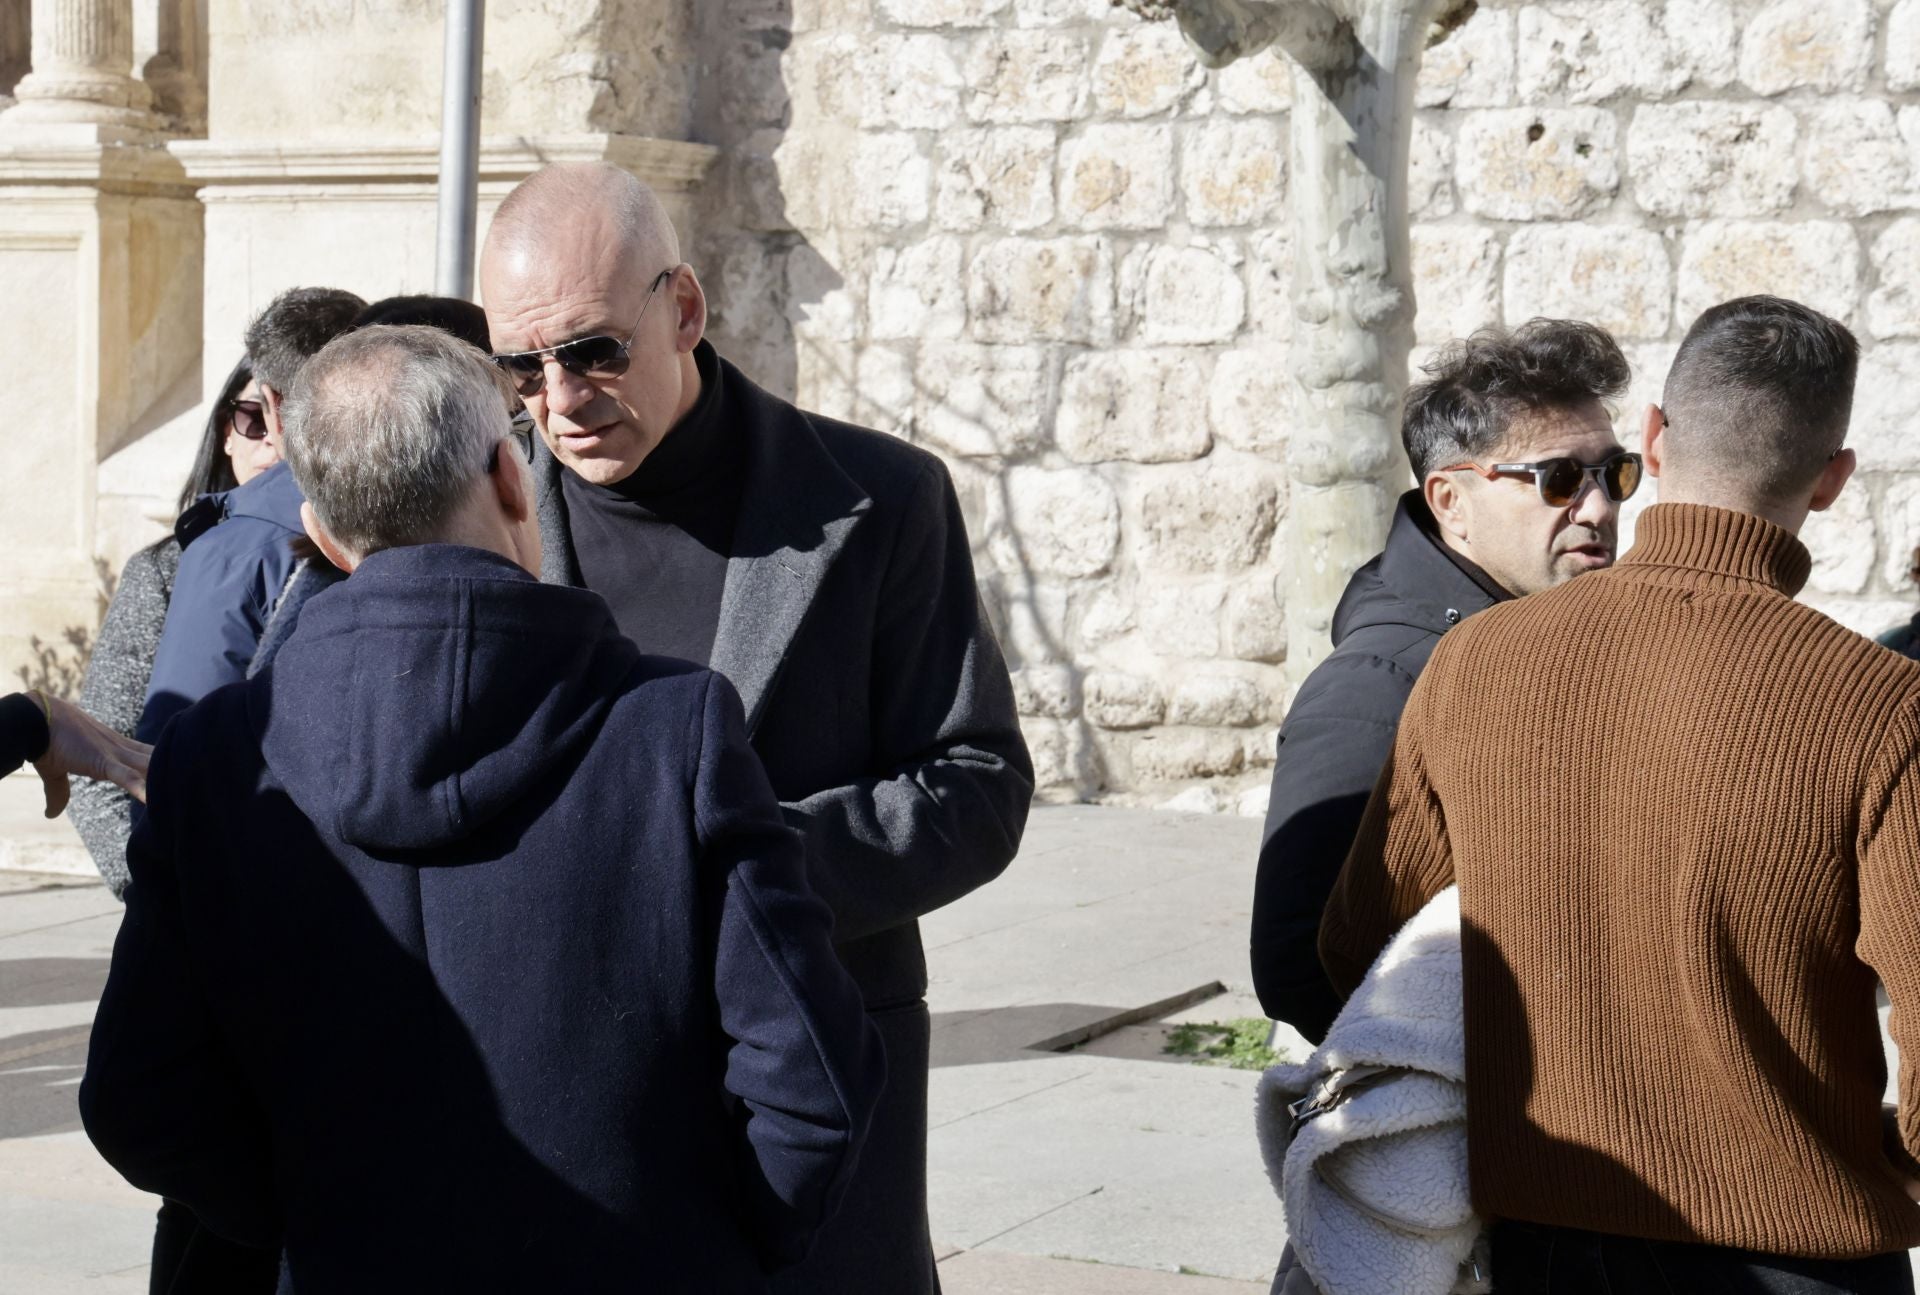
459	148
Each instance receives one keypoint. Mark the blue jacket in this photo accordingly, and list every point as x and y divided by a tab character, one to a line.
231	574
525	990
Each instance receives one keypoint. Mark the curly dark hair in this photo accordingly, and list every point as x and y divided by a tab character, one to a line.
293	328
1476	386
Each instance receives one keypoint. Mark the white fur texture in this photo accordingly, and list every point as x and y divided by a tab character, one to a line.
1399	1147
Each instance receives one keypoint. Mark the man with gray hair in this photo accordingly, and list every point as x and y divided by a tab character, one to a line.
394	992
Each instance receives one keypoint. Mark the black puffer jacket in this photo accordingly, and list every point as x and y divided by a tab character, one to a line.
1336	739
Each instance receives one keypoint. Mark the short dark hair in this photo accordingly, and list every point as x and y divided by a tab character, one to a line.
463	319
293	328
1476	386
1760	394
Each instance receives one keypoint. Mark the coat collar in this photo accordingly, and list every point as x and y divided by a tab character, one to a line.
798	508
1720	544
1416	580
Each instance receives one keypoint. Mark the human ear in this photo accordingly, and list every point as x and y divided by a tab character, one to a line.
512	483
1447	502
1653	440
690	306
1832	480
324	541
270	409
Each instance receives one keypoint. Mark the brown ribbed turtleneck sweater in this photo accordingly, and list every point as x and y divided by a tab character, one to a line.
1684	816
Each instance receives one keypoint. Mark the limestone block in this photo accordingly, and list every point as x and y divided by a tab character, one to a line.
918	290
1712	159
796	186
1107	617
1842	542
1250	401
1824	45
890	184
1144	70
1138	406
1218	518
983	401
826	74
1650	362
1053	522
1042	290
941	13
1614	276
1430	173
817	15
1062	756
1182	621
1182	295
908	82
1816	262
1233	172
1894	308
1900	524
1000	176
1473	67
1203	799
1270	284
1597	50
1117	177
1060	13
1253	802
883	387
1903	46
1538	164
1860	158
1027	76
1257	620
1117	700
1052	691
826	374
1033	627
1260	84
1212	700
1173	755
826	292
1886	410
1456	276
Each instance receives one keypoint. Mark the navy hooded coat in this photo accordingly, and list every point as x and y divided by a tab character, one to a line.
466	949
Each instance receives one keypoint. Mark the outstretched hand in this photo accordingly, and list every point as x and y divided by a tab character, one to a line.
81	744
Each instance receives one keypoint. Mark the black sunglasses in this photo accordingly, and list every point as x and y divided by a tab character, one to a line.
1560	480
247	418
599	356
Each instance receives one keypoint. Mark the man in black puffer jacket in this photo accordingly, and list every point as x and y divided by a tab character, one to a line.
1521	480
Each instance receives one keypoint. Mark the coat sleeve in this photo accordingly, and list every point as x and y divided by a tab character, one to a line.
1889	939
23	732
803	1064
163	1098
944	812
1400	859
1335	740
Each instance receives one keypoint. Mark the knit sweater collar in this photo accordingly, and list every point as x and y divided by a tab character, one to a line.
1721	543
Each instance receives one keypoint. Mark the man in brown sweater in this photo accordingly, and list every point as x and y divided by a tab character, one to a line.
1683	812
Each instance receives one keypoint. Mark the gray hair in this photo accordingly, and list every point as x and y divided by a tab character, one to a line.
387	429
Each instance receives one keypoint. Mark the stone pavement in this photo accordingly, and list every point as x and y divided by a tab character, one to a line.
1109	1168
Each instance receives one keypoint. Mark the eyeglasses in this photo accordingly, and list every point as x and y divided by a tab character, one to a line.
247	419
1561	480
599	356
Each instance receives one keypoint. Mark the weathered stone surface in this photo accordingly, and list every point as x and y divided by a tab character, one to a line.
1712	159
1597	50
1117	700
1886	409
1538	164
1894	308
1473	67
917	290
1250	402
826	288
1042	290
1062	756
1456	277
1027	76
1430	164
1140	406
1117	177
1144	70
1202	799
1253	801
1182	622
1859	156
1174	754
883	381
1824	45
1218	518
995	176
1900	525
1053	522
890	184
1257	620
1903	46
983	401
1211	700
1816	262
1052	691
1060	13
1182	295
1842	542
1614	276
941	13
1033	618
1106	617
788	181
908	82
1261	84
1234	172
1270	285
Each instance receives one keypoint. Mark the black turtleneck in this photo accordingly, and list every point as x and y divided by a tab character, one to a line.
655	545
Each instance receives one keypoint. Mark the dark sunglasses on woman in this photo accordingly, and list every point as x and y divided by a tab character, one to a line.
1560	480
247	419
599	356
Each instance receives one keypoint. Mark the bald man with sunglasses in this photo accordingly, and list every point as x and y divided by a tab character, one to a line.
1521	481
825	571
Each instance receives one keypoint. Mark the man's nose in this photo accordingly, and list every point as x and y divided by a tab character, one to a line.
1593	508
565	391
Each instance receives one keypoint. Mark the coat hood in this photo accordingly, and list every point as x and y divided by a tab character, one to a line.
1414	582
431	691
273	496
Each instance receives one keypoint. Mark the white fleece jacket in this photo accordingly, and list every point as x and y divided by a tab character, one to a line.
1375	1189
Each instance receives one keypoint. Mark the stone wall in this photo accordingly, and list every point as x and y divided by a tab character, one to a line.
1037	238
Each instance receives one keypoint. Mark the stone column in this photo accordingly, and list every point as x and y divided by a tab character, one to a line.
82	68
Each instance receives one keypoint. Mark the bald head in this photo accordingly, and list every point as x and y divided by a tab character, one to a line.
585	206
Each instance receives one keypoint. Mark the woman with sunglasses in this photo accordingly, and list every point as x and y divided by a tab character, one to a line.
233	450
